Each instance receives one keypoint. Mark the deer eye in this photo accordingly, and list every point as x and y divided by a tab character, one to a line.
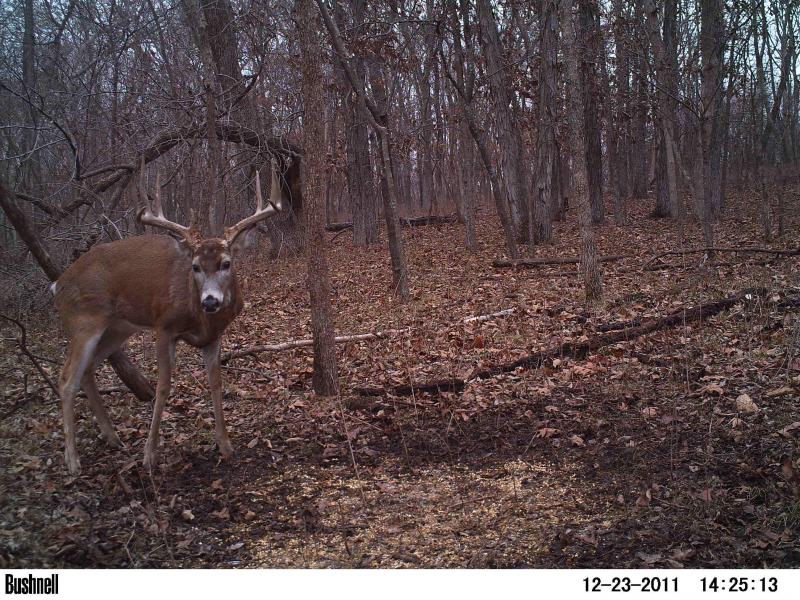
196	268
226	264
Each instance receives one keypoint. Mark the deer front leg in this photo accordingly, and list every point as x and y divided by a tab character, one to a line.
211	358
165	355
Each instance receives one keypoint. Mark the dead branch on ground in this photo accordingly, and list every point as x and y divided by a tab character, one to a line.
291	344
532	263
576	350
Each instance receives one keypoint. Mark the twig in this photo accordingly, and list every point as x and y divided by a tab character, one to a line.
532	263
499	313
744	249
291	344
21	342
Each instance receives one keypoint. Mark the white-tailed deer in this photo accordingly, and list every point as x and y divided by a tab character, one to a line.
183	287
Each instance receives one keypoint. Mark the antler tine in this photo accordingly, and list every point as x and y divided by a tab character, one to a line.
259	197
154	215
143	186
157	209
274	205
275	187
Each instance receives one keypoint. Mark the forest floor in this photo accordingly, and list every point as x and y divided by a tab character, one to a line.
676	448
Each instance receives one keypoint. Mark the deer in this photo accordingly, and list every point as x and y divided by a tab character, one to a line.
182	286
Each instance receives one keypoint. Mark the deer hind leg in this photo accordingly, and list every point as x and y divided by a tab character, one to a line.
80	357
165	353
112	340
100	414
211	359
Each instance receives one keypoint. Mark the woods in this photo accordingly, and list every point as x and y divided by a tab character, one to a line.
541	238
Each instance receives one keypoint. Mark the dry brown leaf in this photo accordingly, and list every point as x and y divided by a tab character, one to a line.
745	404
547	432
712	388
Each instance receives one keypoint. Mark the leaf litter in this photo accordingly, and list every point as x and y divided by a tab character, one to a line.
678	448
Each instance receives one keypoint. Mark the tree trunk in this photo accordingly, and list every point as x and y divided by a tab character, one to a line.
665	57
638	110
359	166
575	107
711	51
589	18
325	378
377	112
770	118
546	131
621	116
509	139
29	165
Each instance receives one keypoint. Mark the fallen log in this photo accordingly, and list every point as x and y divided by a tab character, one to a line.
409	222
429	220
532	263
334	227
576	350
291	344
741	250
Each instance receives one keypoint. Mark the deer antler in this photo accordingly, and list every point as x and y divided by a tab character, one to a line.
154	215
274	205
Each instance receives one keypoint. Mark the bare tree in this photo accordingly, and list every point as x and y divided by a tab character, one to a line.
378	122
590	267
547	146
509	141
590	26
325	377
711	50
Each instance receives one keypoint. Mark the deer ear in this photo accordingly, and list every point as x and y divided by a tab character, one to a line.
185	247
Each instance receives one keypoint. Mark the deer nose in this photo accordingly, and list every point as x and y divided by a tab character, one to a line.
210	304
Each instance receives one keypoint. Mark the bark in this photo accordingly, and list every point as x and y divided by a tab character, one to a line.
588	252
665	59
771	117
498	191
359	166
711	51
466	196
638	109
621	116
509	139
546	131
325	378
590	27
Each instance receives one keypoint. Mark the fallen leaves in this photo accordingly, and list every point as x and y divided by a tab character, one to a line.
746	405
547	432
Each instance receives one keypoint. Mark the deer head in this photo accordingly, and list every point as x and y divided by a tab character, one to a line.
211	258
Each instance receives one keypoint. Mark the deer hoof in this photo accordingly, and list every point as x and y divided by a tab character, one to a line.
113	440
